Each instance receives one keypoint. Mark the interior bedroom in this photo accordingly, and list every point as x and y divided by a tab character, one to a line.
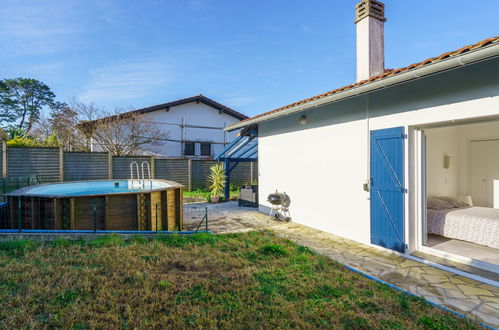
462	190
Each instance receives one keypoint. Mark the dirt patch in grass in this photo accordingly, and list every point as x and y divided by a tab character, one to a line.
251	280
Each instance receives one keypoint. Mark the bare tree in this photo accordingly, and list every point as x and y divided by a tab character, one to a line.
78	125
63	121
120	133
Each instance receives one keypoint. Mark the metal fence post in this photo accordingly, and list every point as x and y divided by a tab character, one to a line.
94	208
189	174
206	216
61	164
251	173
227	179
19	215
4	159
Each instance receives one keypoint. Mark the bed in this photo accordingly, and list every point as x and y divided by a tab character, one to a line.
457	220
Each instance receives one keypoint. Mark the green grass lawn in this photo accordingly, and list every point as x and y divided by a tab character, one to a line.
251	280
205	194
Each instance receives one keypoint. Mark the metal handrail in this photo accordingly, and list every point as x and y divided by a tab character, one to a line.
148	167
131	172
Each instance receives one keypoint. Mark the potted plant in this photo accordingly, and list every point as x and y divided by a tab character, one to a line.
216	181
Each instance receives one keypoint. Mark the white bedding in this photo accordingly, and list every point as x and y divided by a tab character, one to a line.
478	225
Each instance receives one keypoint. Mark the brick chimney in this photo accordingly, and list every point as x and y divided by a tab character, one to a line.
370	20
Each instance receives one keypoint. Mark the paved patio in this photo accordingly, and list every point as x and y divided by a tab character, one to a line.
463	295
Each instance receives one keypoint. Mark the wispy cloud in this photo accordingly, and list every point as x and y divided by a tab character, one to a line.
34	28
127	80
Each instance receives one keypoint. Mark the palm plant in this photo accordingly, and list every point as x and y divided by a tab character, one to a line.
216	180
14	132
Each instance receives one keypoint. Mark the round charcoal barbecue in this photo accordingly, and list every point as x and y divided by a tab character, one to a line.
280	205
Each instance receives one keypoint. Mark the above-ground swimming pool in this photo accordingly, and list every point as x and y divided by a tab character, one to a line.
90	188
143	205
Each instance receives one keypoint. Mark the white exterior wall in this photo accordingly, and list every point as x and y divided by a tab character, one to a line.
323	164
193	114
321	168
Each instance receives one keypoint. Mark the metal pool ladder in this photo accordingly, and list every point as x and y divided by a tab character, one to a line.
141	174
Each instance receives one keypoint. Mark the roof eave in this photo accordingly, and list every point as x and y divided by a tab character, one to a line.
198	98
442	65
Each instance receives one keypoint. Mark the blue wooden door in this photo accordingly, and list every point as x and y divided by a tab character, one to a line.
387	188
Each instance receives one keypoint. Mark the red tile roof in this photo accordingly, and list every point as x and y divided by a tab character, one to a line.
387	73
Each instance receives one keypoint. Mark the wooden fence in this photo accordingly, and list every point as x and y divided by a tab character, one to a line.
54	165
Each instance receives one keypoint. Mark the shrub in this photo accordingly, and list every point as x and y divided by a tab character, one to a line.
23	141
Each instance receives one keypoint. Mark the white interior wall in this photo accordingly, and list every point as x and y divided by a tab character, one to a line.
454	141
466	133
442	142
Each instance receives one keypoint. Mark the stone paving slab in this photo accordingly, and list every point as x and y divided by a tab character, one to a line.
458	293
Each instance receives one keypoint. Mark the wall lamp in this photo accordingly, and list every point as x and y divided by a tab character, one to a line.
303	120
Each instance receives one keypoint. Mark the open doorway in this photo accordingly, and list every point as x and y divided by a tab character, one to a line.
461	209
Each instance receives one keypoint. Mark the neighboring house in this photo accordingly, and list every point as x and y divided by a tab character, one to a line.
194	127
362	161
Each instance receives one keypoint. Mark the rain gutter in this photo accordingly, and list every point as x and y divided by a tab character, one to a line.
429	69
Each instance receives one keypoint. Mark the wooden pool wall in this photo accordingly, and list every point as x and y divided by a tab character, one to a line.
148	211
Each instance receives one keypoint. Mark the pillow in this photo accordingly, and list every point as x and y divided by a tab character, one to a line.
444	203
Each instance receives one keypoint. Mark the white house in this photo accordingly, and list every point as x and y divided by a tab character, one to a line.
194	126
376	156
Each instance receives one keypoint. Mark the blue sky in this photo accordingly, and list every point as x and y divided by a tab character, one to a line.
250	55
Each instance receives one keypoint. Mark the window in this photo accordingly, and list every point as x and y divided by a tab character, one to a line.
189	149
205	149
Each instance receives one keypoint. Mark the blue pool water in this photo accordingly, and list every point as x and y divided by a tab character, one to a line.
91	188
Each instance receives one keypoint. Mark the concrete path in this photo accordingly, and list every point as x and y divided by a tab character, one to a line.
463	295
